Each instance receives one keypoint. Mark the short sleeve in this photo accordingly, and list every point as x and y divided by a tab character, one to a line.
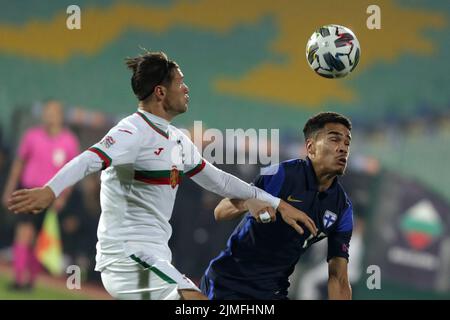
339	240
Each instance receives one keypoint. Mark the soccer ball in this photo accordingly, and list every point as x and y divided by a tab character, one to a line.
333	51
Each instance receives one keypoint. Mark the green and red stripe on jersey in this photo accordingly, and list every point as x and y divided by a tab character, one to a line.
196	169
151	124
157	176
170	177
105	158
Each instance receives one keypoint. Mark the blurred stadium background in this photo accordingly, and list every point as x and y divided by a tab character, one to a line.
245	64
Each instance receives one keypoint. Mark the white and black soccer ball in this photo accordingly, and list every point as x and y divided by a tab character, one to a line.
333	51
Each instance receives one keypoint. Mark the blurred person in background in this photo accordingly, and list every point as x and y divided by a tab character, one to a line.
43	150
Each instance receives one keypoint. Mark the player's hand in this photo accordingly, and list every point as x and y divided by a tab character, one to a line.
295	217
258	207
31	200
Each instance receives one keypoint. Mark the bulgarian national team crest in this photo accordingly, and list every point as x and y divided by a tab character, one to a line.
174	177
329	218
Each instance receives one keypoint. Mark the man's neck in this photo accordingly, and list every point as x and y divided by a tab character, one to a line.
53	131
324	180
155	109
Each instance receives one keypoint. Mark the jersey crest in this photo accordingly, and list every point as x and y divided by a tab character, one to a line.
329	218
174	177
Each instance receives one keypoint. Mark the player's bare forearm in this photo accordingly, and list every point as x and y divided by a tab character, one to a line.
228	209
339	289
338	285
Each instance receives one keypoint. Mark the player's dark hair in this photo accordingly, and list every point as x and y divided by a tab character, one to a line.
319	121
150	70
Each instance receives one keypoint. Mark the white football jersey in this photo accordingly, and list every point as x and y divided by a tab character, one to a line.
144	160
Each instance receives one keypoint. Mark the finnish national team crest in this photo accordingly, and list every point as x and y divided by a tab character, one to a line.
329	218
174	177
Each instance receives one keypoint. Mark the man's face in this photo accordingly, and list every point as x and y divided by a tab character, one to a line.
330	148
52	114
177	94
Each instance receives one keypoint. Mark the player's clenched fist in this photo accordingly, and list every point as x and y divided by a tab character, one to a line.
258	208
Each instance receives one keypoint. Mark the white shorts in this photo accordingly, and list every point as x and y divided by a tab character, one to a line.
144	277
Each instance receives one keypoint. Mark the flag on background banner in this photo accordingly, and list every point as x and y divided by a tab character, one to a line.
48	246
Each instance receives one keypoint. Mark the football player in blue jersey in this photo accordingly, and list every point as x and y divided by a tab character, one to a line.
260	257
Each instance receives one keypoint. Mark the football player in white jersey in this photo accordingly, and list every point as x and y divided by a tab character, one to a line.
143	159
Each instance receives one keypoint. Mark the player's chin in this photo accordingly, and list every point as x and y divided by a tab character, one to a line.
340	170
182	109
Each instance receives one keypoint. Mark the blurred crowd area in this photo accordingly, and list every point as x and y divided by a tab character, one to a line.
197	238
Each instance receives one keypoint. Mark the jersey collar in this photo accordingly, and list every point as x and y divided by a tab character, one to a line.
160	123
311	178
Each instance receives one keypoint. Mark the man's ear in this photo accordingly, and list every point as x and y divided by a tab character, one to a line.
310	146
160	92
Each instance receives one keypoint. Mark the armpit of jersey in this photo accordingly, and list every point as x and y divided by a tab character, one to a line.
102	155
196	169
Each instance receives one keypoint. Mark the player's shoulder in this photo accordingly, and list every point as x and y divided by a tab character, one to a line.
347	202
130	124
33	134
179	132
275	168
296	163
34	131
175	130
282	167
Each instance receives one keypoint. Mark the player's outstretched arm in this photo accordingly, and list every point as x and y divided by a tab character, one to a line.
229	186
228	209
338	285
38	199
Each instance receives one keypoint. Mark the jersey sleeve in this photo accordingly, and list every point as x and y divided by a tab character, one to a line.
339	240
119	146
73	171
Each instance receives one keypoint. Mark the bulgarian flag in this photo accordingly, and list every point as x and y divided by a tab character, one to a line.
48	246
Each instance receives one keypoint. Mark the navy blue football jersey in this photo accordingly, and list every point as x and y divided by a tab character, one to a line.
259	258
